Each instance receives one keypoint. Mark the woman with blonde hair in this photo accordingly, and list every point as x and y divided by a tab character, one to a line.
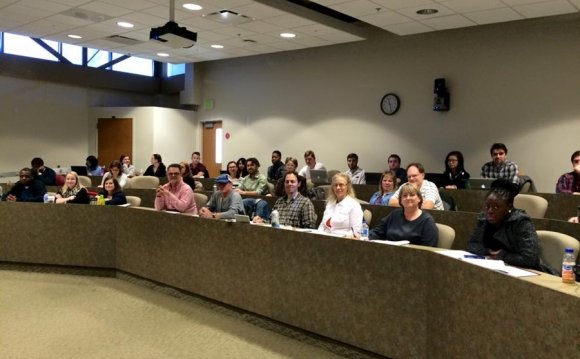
343	214
72	191
409	223
387	187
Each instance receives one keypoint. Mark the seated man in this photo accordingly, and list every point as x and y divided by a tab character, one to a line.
570	182
45	174
276	171
500	167
224	203
175	195
311	164
429	191
295	209
254	184
394	164
27	189
198	169
356	174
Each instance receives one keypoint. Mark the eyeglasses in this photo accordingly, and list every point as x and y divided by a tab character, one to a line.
173	173
577	161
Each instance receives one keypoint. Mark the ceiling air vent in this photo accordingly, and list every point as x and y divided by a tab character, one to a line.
124	40
229	17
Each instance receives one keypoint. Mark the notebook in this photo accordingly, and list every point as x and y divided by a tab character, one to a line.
242	218
481	183
319	176
80	170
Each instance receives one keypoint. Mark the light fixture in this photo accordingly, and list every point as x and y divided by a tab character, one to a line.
288	35
216	46
193	7
73	36
427	11
125	24
162	54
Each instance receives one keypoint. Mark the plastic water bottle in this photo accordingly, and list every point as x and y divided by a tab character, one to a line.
364	231
1	192
275	218
214	188
568	263
45	198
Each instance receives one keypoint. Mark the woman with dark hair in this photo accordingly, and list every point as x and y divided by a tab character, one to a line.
113	193
93	168
242	171
186	175
233	171
387	187
455	175
157	168
128	168
504	232
116	172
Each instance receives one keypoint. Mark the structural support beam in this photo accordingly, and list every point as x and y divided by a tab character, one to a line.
52	51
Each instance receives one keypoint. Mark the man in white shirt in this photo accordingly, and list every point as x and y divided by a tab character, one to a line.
311	164
356	174
429	191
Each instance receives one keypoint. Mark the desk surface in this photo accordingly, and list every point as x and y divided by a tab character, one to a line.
401	302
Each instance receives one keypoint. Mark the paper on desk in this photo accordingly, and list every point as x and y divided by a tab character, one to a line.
453	253
486	263
392	243
496	265
517	272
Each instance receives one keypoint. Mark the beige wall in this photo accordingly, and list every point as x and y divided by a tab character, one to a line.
515	83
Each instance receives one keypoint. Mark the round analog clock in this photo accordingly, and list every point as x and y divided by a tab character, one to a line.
390	104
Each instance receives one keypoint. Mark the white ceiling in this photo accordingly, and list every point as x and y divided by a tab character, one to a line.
95	21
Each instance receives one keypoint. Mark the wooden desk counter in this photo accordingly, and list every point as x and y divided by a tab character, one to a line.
401	302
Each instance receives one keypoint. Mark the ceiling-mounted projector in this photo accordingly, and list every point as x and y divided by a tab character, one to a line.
174	36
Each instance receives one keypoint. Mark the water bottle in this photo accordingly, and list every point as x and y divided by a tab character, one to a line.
1	192
364	231
275	218
568	263
214	188
45	198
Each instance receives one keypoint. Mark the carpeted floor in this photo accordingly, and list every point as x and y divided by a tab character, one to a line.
61	316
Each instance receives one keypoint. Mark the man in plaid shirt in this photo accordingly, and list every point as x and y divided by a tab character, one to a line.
295	209
500	167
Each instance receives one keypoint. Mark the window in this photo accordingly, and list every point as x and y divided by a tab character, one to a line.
73	53
175	69
25	46
134	65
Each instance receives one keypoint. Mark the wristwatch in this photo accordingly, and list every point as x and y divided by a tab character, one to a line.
213	215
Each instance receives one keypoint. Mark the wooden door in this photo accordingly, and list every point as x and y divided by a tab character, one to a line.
115	138
212	147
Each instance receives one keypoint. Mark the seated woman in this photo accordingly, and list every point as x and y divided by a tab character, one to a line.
157	168
409	223
72	191
232	169
93	168
116	172
242	170
504	232
113	193
186	175
291	164
455	175
387	186
128	168
343	214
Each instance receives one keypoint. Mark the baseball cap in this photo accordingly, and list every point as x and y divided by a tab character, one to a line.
223	178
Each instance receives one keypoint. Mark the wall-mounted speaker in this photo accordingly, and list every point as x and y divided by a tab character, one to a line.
441	99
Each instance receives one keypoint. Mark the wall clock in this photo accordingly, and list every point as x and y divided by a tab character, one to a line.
390	104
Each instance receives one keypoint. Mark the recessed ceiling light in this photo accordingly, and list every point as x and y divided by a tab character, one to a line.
427	11
73	36
216	46
288	35
125	24
162	54
193	7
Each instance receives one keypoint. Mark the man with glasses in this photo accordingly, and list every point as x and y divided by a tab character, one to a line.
500	167
295	209
27	189
175	195
225	203
570	182
429	191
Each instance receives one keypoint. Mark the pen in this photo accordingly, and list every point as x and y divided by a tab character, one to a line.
352	229
474	256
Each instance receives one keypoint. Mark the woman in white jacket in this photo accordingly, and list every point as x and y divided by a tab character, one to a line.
343	214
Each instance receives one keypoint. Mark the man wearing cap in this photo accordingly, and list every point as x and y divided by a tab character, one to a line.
224	203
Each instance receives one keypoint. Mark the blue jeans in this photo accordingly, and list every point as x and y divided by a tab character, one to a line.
256	207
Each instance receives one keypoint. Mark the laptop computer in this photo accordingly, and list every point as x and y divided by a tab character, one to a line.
319	176
80	170
481	183
438	178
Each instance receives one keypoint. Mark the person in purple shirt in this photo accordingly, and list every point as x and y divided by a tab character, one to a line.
570	182
197	169
175	195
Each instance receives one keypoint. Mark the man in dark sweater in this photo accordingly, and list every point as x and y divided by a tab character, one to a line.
45	174
28	189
